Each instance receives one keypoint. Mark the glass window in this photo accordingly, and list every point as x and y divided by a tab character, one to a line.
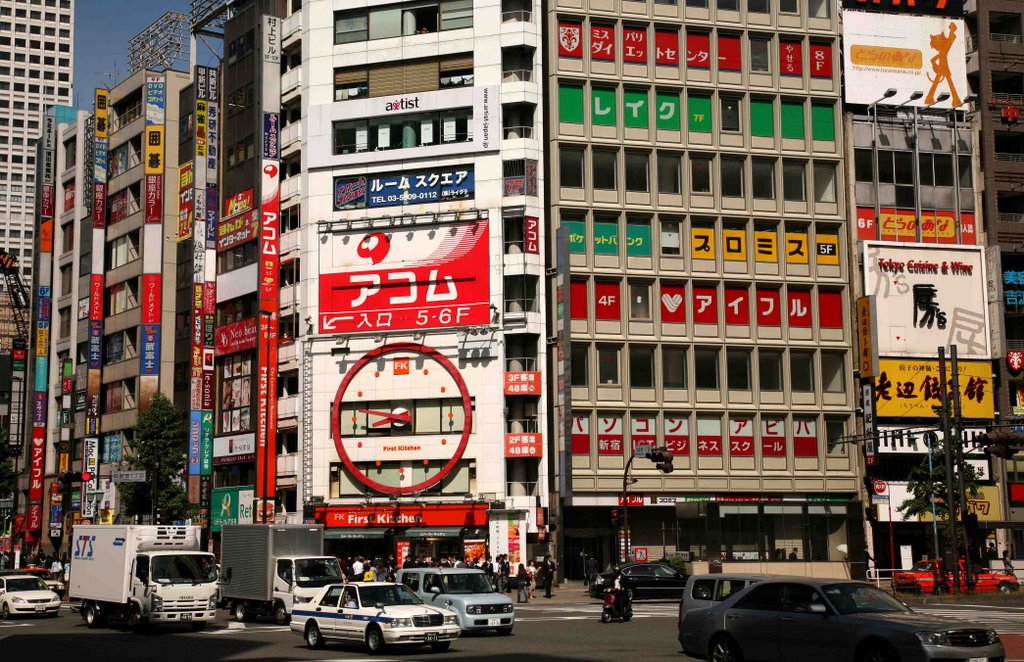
758	6
760	54
835	433
904	164
700	174
824	182
456	14
788	6
570	166
783	532
965	172
737	369
670	244
762	174
833	378
673	366
943	169
705	365
925	169
730	113
793	185
823	121
386	22
769	364
818	8
639	301
636	171
703	589
579	365
729	5
700	4
801	371
350	26
641	367
732	177
827	541
739	527
608	365
669	173
605	173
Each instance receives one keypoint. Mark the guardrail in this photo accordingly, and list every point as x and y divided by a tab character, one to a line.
1007	96
1005	37
517	16
1010	156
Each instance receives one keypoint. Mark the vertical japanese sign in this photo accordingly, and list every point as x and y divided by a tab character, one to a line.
152	230
269	285
93	408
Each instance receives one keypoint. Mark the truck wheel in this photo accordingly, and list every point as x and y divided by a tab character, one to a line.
313	638
134	619
440	646
1005	588
281	616
91	615
374	640
240	612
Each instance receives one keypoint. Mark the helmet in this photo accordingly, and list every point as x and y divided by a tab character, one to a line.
616	569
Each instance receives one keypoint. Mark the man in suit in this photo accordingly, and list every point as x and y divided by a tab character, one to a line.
550	567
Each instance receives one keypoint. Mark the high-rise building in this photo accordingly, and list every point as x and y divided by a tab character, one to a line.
36	51
695	175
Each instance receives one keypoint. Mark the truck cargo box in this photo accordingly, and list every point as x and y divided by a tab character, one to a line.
248	552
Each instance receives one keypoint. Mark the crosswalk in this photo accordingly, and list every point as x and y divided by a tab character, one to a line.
1005	620
584	611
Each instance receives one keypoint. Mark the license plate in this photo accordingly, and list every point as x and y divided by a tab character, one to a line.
977	659
185	617
493	621
40	607
431	636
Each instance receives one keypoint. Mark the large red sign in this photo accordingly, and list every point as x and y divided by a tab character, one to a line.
570	39
741	437
773	437
673	303
150	298
666	48
237	336
99	205
634	45
154	199
69	196
698	50
47	202
238	229
388	281
531	234
821	60
522	383
524	444
791	61
465	515
729	58
602	42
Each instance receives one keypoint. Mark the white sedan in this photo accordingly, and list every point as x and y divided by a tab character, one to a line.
375	614
25	594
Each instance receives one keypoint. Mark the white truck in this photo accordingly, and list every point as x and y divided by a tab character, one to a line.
143	574
266	570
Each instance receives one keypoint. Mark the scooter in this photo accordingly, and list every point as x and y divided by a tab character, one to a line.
611	607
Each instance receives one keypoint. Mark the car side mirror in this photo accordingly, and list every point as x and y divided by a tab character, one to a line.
817	608
379	605
436	590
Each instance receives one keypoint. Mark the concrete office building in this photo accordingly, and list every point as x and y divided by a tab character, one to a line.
695	166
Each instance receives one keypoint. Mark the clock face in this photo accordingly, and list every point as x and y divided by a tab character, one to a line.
403	404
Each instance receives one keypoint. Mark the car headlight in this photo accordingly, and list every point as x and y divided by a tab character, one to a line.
451	620
18	600
401	622
158	603
212	603
993	637
474	609
508	608
933	638
299	599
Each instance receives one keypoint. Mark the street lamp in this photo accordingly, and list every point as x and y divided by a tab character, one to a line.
662	458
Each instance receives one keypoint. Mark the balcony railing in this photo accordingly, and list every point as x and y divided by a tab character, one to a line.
1016	157
1011	217
520	363
517	16
520	425
517	75
522	488
1008	97
520	305
516	132
1005	37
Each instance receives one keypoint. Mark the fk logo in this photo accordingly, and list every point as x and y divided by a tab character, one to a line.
83	547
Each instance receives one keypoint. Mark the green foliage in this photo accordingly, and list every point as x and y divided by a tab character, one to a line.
927	488
160	449
677	563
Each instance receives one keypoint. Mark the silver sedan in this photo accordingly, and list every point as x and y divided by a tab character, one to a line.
825	619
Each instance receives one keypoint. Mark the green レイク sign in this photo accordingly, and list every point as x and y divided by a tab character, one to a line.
602	106
231	505
635	109
667	109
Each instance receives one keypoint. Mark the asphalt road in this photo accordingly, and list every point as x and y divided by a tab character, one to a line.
542	632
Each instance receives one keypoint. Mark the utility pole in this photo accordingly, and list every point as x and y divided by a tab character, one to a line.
961	484
950	492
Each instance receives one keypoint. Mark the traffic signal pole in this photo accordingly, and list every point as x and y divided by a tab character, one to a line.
950	493
626	481
961	479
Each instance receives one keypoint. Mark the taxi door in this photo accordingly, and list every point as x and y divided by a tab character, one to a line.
348	623
328	613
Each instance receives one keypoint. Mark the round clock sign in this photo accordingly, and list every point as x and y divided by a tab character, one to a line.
375	412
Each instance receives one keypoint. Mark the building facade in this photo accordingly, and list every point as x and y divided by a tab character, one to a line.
695	168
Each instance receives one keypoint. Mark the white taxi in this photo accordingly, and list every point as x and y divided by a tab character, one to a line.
375	614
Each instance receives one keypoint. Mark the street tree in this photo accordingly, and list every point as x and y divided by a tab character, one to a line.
159	448
928	486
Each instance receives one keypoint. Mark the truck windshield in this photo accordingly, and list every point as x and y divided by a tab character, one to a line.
314	573
184	569
470	582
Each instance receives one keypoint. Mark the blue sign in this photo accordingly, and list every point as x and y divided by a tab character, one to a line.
271	136
99	160
155	102
421	187
42	368
212	205
349	193
95	344
195	428
149	360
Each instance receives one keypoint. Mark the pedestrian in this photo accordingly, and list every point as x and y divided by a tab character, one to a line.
500	578
464	563
550	567
532	570
592	568
3	561
991	554
523	582
1007	563
489	573
370	574
793	556
56	568
357	568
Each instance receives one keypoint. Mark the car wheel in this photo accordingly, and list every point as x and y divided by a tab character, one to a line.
281	616
505	631
877	652
440	646
5	612
1004	587
91	615
374	640
199	626
313	637
631	593
724	649
240	612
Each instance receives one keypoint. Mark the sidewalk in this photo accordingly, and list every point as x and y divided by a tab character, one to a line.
567	593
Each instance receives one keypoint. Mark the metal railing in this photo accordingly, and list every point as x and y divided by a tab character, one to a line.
1016	157
1009	217
1008	96
530	425
517	16
520	305
520	363
517	75
1005	37
514	132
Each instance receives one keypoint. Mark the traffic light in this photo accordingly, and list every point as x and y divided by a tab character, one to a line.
662	459
1001	444
72	477
616	517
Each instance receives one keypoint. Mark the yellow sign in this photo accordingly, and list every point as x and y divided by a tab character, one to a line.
702	243
154	152
911	388
985	505
734	245
766	246
866	331
796	248
101	128
827	249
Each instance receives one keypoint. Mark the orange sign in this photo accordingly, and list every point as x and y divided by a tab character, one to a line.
888	57
401	366
525	444
522	383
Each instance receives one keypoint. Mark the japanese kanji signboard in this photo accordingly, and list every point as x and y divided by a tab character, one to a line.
911	388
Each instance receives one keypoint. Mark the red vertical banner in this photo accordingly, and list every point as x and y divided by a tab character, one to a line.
867	224
99	205
154	199
580	435
150	298
269	299
578	300
705	305
729	58
830	309
634	45
677	435
698	50
791	58
768	307
607	300
531	235
820	60
799	308
602	42
609	435
570	39
673	303
968	231
666	43
805	437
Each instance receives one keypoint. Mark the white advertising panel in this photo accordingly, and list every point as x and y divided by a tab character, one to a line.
906	53
928	297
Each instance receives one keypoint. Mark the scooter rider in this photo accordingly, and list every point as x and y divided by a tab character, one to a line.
621	595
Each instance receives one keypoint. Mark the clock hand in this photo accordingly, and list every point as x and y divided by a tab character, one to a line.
387	416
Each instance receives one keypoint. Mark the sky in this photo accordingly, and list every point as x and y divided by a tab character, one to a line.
102	31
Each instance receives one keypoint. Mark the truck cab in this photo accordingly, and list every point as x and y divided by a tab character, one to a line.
298	579
176	587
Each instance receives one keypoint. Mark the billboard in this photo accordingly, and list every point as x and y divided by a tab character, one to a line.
393	189
920	7
910	388
927	297
231	505
906	53
930	227
415	278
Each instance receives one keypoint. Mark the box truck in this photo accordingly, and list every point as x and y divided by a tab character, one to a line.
142	574
266	570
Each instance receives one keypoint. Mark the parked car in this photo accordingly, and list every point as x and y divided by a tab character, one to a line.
465	591
23	595
375	614
794	618
644	580
55	585
927	577
703	591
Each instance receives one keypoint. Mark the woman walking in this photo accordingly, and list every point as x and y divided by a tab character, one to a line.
523	581
531	572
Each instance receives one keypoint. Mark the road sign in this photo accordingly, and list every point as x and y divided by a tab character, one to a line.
640	554
643	450
6	504
880	487
128	476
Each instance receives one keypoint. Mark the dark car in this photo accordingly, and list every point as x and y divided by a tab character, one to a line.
644	580
794	618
